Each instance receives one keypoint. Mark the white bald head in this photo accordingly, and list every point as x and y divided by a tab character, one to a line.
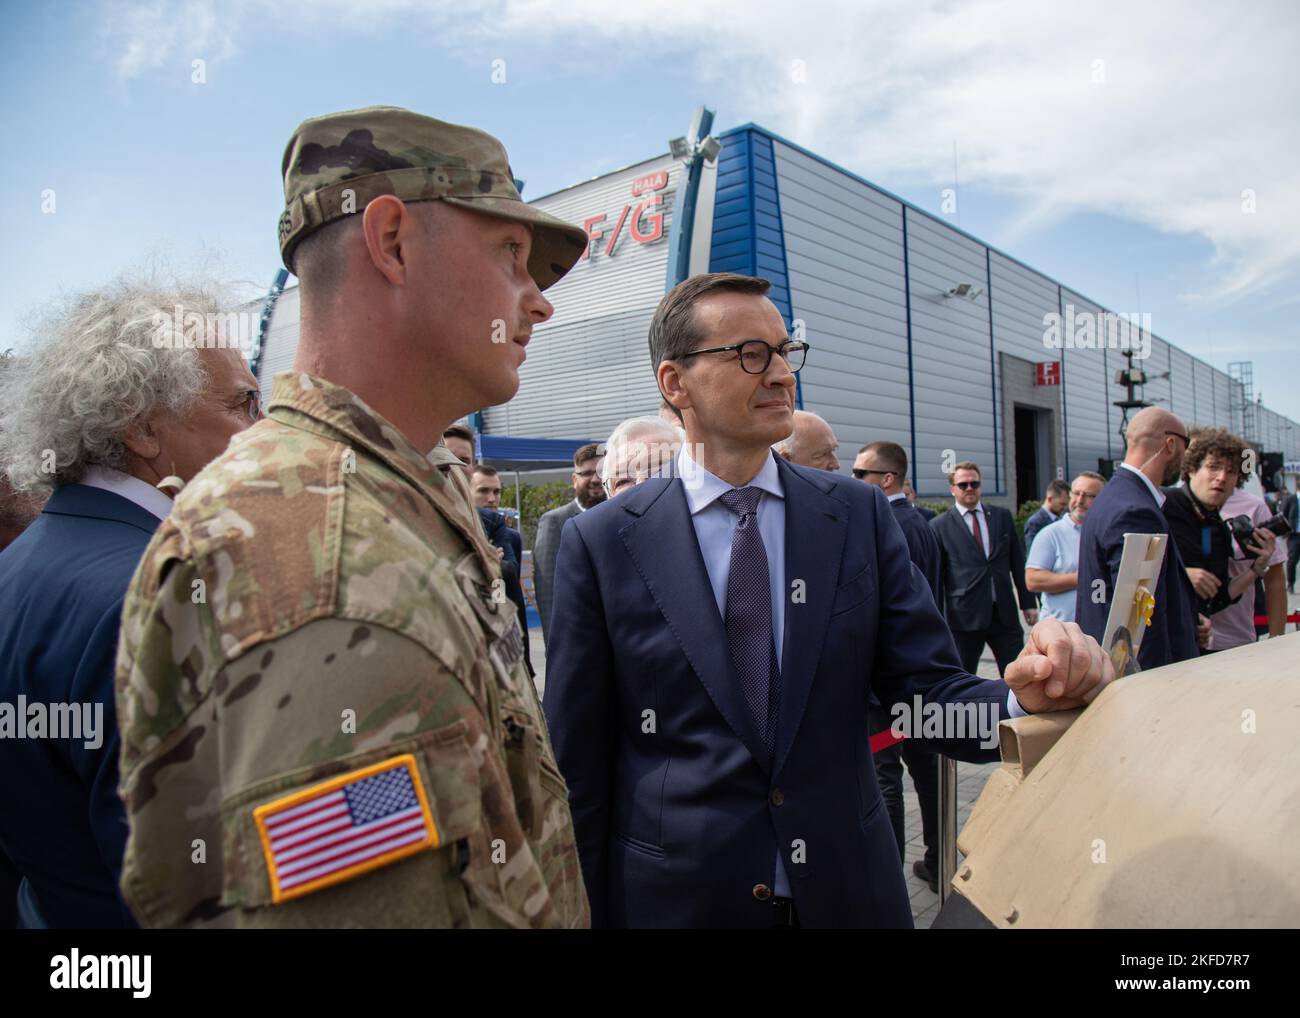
1157	440
812	443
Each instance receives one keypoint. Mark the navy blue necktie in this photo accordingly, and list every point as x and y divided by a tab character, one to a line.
749	613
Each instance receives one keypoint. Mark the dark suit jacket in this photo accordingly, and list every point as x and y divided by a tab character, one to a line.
545	549
678	810
508	540
1036	522
926	514
1125	506
61	588
922	546
966	571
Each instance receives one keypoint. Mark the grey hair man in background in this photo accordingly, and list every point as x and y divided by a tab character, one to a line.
1052	559
17	508
637	450
106	414
812	443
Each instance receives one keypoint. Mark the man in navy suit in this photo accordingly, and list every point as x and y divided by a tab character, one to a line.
1055	503
1131	504
117	416
927	514
885	464
983	573
485	490
715	638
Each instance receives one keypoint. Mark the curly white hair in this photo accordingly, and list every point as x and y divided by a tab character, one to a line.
95	370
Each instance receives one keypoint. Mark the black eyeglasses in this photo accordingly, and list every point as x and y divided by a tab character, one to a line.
967	485
1179	434
756	355
860	473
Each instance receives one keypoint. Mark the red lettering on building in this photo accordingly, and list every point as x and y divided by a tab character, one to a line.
592	237
655	219
613	237
656	181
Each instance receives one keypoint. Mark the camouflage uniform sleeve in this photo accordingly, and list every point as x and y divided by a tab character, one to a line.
206	742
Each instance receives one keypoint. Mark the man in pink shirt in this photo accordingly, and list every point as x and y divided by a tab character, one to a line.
1235	624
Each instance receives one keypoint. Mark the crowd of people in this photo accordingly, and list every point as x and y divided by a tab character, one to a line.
299	636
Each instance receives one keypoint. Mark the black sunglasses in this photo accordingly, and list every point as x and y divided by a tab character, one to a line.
967	485
756	355
1179	434
860	473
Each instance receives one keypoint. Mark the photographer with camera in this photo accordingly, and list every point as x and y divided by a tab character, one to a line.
1235	625
1211	472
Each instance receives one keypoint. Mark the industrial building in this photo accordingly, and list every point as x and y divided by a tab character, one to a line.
920	333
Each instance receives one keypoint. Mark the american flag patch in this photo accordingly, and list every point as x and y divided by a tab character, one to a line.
344	827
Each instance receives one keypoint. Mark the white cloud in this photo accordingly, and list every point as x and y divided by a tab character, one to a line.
1196	102
152	34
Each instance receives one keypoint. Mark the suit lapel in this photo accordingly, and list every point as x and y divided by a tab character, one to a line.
996	529
963	546
660	539
815	527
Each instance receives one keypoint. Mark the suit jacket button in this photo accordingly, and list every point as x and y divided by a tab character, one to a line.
762	892
778	797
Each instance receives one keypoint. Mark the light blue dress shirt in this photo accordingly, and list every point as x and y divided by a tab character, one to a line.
715	524
1056	549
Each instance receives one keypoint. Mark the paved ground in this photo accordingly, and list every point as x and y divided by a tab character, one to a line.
970	782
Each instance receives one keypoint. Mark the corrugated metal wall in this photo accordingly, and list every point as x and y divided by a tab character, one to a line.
1087	410
1021	298
952	367
1180	383
588	368
844	258
281	340
1221	396
747	229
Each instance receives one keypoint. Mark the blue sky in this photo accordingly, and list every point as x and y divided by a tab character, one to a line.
1105	144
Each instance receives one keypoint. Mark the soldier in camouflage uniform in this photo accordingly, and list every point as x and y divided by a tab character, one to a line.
325	715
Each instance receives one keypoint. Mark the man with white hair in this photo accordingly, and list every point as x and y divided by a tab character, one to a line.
103	416
636	451
812	443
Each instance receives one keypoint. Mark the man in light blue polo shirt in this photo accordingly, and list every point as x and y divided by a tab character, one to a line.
1052	566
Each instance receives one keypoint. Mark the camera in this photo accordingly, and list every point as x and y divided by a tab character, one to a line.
1243	529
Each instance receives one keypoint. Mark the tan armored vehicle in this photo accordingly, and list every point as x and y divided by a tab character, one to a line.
1172	801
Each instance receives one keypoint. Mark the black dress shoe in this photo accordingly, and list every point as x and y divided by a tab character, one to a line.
923	873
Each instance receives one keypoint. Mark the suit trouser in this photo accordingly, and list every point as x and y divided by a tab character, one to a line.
1006	642
889	773
924	768
1292	559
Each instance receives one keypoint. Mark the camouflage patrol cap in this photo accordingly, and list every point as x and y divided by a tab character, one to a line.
334	165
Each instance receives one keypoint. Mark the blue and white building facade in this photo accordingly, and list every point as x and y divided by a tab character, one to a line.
920	334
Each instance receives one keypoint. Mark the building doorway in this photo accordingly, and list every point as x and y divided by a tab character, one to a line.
1032	433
